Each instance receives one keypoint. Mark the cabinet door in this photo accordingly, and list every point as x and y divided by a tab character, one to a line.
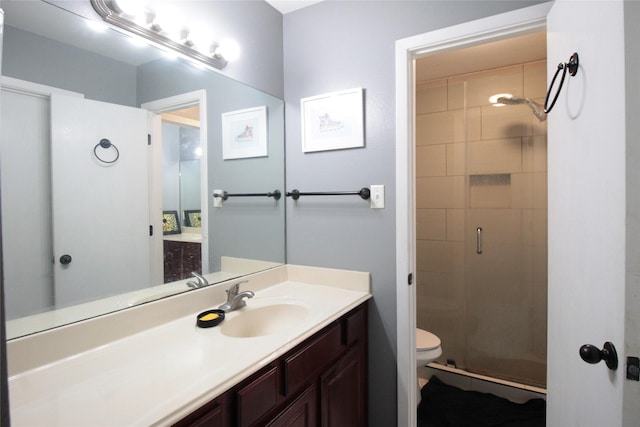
191	259
172	261
343	392
301	413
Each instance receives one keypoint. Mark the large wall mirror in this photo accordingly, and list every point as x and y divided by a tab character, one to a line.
111	152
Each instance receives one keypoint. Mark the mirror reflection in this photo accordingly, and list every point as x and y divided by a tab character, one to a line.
181	189
90	226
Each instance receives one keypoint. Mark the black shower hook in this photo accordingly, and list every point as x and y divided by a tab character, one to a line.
572	67
106	144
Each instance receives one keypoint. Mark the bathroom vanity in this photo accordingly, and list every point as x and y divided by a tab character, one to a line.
296	352
328	370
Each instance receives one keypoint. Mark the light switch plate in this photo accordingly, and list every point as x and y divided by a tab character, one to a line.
377	197
217	201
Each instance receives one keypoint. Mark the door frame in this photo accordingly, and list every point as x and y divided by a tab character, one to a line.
502	26
163	105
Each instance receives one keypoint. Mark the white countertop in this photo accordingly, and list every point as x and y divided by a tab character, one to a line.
161	374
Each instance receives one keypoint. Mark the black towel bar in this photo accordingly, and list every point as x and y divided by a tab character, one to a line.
365	193
276	195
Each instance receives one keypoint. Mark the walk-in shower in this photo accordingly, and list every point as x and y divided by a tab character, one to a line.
481	181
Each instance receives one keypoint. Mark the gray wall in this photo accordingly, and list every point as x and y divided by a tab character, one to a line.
333	46
253	24
41	60
251	228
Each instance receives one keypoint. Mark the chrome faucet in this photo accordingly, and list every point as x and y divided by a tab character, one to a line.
200	281
235	298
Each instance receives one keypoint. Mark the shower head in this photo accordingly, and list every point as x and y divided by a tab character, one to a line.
538	110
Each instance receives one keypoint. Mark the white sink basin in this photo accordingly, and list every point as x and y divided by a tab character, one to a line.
259	321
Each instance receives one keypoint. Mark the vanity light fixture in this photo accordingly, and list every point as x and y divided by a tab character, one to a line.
145	24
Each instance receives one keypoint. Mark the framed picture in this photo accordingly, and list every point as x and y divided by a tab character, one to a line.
244	133
332	121
192	218
170	222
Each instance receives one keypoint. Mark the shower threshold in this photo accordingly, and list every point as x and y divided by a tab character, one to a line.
514	391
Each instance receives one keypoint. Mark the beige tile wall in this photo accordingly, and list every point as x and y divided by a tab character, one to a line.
490	309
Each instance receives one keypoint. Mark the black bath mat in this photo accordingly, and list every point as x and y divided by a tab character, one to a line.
443	405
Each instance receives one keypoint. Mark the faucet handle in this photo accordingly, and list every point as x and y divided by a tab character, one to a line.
235	288
201	281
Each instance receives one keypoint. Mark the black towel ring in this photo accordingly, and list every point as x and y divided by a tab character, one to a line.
572	67
106	144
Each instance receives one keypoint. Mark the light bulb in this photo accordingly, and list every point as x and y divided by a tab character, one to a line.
133	8
169	23
228	49
201	41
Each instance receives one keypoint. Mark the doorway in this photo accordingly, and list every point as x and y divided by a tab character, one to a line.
179	116
481	217
494	28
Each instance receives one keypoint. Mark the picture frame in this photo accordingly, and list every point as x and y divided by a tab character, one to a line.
244	133
193	218
170	222
333	121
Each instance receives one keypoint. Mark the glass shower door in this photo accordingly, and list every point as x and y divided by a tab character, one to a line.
481	223
506	246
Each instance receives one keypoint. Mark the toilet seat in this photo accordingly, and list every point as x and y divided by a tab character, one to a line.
426	341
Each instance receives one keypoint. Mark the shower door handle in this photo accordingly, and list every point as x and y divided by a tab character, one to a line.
479	240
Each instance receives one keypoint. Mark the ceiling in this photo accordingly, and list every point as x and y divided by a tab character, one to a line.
501	53
286	6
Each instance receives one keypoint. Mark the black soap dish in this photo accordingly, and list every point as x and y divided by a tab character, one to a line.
210	318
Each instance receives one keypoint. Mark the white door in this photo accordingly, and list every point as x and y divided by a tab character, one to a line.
26	232
587	211
100	199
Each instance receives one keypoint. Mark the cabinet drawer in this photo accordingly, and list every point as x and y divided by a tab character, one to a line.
355	326
302	365
213	414
258	397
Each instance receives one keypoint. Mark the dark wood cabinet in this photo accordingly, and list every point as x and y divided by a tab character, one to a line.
213	414
180	259
301	413
258	397
321	382
342	400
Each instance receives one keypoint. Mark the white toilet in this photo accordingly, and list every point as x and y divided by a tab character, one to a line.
427	347
427	350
